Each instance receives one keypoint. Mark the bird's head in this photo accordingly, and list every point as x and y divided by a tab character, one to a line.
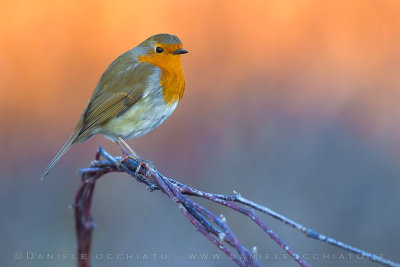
161	50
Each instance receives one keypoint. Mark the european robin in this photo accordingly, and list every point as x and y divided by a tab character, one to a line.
136	93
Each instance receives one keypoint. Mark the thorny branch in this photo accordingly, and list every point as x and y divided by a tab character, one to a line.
213	227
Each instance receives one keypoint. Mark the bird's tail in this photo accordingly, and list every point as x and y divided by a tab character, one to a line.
72	139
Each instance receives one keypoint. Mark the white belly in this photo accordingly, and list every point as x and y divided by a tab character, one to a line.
140	119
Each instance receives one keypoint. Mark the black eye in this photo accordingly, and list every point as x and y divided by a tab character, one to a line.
159	49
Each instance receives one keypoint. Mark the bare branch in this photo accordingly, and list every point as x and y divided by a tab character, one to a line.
214	228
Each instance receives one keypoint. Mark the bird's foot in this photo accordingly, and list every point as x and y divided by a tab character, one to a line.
142	163
118	161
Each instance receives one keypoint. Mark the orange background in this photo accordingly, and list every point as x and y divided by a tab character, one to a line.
342	54
304	93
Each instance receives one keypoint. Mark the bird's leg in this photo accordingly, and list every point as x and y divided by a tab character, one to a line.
124	146
123	150
123	143
125	154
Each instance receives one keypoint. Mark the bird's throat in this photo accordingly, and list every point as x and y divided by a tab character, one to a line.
172	78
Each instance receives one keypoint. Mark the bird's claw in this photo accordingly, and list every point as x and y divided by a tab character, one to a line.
142	163
118	162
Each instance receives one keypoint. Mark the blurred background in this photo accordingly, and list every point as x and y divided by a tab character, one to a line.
294	104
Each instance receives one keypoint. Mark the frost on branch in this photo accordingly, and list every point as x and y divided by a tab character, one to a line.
214	228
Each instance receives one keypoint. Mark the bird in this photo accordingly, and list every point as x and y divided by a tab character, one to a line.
137	92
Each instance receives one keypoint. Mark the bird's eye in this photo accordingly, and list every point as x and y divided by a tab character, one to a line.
159	49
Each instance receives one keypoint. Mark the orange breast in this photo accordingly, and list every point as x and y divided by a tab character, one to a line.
172	77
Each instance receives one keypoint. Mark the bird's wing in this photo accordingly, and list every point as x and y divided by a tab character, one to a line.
121	86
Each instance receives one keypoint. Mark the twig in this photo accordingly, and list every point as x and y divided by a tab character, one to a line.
214	228
307	231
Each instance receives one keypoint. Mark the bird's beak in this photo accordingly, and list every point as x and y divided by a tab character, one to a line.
180	51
